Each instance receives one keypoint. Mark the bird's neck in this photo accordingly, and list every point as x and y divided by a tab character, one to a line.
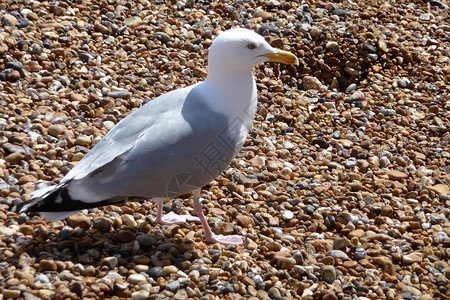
236	92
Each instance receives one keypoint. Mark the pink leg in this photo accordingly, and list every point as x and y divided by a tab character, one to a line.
209	235
169	219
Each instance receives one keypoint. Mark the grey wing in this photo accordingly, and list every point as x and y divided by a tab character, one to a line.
175	155
122	137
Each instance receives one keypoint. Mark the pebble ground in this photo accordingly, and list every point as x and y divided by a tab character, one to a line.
342	187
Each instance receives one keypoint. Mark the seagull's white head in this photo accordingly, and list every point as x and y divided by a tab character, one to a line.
241	49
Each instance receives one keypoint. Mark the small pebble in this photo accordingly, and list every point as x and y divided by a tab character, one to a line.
328	274
42	279
110	262
136	278
155	272
173	287
102	223
79	220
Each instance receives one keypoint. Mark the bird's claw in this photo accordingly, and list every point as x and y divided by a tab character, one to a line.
225	239
172	218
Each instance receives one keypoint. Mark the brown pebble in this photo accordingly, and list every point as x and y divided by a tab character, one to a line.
101	28
415	257
434	109
56	130
89	271
27	179
7	293
82	141
233	187
328	260
340	243
26	229
350	264
245	221
414	225
330	296
14	158
425	297
47	265
126	236
387	211
170	270
102	223
440	189
396	175
386	263
78	98
79	220
11	282
248	281
284	260
263	15
9	20
358	233
13	75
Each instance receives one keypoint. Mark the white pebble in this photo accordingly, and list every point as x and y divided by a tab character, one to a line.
108	124
288	145
136	278
286	171
287	215
140	295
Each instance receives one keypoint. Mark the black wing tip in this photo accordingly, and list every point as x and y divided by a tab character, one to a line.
17	206
37	204
14	208
59	200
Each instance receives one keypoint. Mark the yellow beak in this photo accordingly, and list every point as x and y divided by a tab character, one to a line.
283	57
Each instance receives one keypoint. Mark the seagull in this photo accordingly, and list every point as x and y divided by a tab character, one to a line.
173	145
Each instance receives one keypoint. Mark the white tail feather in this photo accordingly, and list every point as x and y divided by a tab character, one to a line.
57	216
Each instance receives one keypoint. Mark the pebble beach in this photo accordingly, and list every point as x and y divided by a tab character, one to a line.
341	190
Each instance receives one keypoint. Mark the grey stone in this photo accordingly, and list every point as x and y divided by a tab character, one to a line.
22	22
360	253
351	87
56	86
86	56
155	272
350	163
42	278
226	288
110	262
120	94
102	223
15	65
340	243
328	274
173	287
298	258
341	12
10	148
163	37
270	28
338	254
29	296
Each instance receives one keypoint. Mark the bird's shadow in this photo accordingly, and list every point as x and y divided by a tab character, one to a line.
151	245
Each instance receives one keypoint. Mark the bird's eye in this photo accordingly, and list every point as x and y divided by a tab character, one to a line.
251	46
